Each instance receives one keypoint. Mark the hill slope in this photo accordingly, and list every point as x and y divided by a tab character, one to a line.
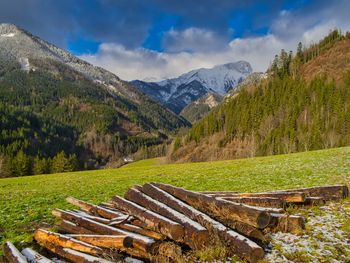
27	205
102	116
298	107
197	109
178	92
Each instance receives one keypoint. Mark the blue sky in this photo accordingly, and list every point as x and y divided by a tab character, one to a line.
163	38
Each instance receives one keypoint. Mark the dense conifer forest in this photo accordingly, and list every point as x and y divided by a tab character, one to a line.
283	114
58	121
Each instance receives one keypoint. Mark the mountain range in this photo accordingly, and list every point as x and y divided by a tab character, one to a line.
52	101
177	93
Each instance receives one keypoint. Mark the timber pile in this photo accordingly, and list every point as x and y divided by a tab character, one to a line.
159	222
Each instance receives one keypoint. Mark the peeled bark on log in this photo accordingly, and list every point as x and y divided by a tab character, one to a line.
196	236
154	221
290	197
12	254
43	236
217	193
69	227
140	230
141	242
34	257
237	212
94	209
287	223
95	218
267	202
121	242
242	246
330	192
105	241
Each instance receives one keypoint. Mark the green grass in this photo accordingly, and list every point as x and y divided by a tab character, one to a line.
26	202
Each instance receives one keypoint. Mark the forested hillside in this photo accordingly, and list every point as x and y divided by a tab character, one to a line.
287	112
55	116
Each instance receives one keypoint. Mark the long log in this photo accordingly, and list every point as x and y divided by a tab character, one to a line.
290	197
141	242
217	193
178	205
69	227
154	221
34	257
140	230
120	242
237	212
125	243
330	192
258	201
73	255
95	218
196	236
12	254
240	245
42	236
94	209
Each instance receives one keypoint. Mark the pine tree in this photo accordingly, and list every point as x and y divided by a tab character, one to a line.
60	163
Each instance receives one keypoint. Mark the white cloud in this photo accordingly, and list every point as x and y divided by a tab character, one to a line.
196	48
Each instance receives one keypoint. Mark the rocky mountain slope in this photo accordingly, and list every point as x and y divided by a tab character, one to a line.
178	92
45	88
197	109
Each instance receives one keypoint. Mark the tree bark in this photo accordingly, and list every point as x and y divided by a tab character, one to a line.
196	236
242	246
232	211
12	254
94	209
154	221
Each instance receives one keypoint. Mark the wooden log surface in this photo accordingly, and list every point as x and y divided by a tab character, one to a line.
329	192
287	223
154	221
196	236
12	254
73	255
34	257
268	202
69	227
232	211
290	197
42	236
244	247
140	230
94	209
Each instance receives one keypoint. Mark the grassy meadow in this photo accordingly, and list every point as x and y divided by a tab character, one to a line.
26	202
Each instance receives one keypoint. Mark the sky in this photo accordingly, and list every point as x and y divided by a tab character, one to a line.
158	39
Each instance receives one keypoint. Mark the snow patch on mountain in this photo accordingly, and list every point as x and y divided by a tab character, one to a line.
177	93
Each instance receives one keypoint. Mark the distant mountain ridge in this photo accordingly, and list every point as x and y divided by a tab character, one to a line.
177	93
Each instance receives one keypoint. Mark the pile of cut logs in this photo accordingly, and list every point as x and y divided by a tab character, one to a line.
159	222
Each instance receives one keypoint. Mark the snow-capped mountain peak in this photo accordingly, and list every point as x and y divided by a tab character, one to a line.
178	92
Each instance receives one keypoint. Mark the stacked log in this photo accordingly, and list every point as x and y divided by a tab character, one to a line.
158	222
